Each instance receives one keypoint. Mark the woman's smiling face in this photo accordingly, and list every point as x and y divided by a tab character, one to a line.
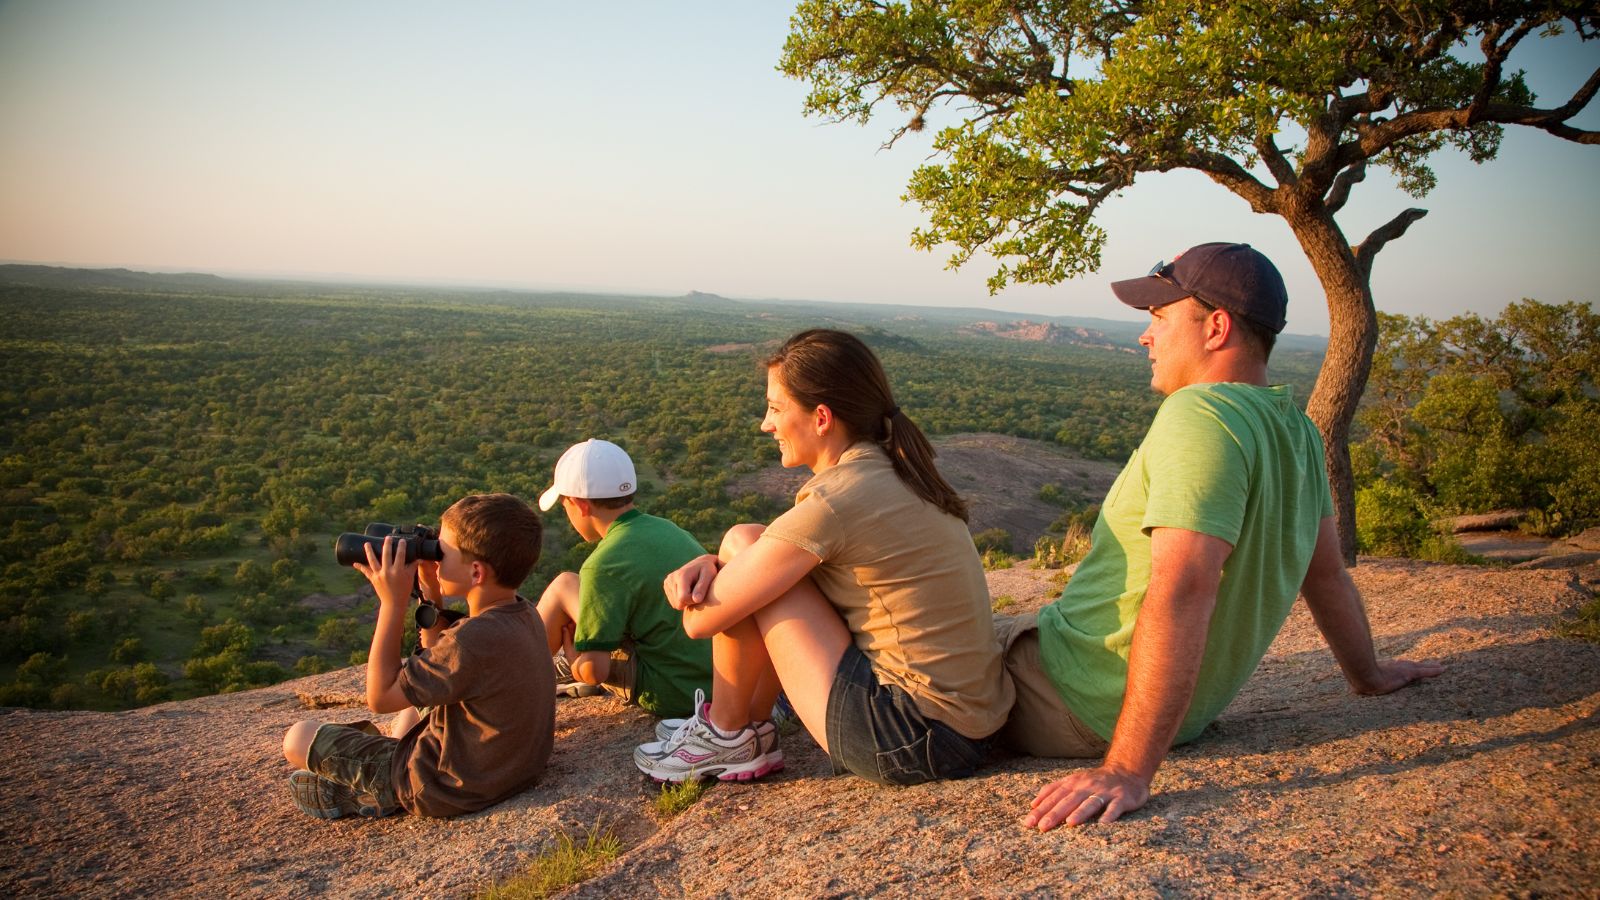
793	425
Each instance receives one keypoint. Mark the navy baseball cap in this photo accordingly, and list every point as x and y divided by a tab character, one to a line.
1234	277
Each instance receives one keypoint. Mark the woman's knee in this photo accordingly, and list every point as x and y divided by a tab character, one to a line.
562	592
738	538
297	741
565	583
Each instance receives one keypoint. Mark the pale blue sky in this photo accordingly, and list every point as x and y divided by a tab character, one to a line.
625	146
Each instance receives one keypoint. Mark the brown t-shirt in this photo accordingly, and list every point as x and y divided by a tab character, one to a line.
493	719
908	582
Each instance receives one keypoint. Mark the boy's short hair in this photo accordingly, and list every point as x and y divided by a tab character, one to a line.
499	529
611	502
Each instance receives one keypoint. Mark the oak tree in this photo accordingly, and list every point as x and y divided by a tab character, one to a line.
1286	103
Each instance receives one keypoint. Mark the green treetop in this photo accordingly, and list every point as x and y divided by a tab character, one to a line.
1286	104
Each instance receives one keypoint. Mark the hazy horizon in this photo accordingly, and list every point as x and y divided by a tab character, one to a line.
635	149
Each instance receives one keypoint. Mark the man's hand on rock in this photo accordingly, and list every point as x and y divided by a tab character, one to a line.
1098	794
1394	674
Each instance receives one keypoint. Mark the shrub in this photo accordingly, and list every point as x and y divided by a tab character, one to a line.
997	559
1444	548
194	608
1390	520
128	651
1585	626
311	665
992	539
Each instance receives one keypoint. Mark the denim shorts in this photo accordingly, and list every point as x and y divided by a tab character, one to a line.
875	731
359	757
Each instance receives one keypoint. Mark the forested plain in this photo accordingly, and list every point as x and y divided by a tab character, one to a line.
175	463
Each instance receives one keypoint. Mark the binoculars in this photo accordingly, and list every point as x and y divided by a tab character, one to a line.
421	542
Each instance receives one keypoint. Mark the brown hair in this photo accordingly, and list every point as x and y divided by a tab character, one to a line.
1255	335
499	529
611	502
824	367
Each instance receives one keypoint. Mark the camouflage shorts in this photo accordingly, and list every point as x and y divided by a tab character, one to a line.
359	757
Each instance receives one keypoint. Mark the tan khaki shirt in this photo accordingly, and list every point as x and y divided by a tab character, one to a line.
907	580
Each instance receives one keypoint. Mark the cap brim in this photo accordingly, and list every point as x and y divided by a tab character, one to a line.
1148	292
549	499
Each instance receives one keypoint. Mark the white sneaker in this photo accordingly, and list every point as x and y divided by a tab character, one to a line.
766	730
697	750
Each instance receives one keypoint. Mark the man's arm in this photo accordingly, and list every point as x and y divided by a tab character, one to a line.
1336	606
1169	640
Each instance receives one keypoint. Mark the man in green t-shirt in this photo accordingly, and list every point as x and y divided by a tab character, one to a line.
610	622
1220	518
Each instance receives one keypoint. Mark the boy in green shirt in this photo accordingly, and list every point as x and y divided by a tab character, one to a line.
611	622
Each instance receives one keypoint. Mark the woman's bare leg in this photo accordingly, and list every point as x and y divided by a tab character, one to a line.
558	610
793	643
805	638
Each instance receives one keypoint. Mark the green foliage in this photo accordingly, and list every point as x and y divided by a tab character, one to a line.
1053	493
1067	102
176	460
1469	415
1585	625
1051	552
994	548
567	863
229	636
311	665
992	539
22	636
43	669
1390	520
194	607
141	685
1444	548
342	633
130	650
231	671
675	798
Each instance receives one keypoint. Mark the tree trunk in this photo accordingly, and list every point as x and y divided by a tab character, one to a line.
1353	336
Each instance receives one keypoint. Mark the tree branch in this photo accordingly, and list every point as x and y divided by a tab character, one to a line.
1495	52
1380	136
1342	183
1044	63
1227	172
1276	163
1375	241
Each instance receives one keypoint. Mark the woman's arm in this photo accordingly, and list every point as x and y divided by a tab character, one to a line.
716	595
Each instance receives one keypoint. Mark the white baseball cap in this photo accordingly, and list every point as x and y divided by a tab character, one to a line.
592	470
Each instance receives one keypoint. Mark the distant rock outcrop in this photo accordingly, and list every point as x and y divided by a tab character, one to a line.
1043	333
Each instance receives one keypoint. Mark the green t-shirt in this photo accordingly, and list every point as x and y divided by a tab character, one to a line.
620	600
1235	461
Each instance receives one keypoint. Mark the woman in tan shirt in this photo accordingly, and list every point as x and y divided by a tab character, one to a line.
865	603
